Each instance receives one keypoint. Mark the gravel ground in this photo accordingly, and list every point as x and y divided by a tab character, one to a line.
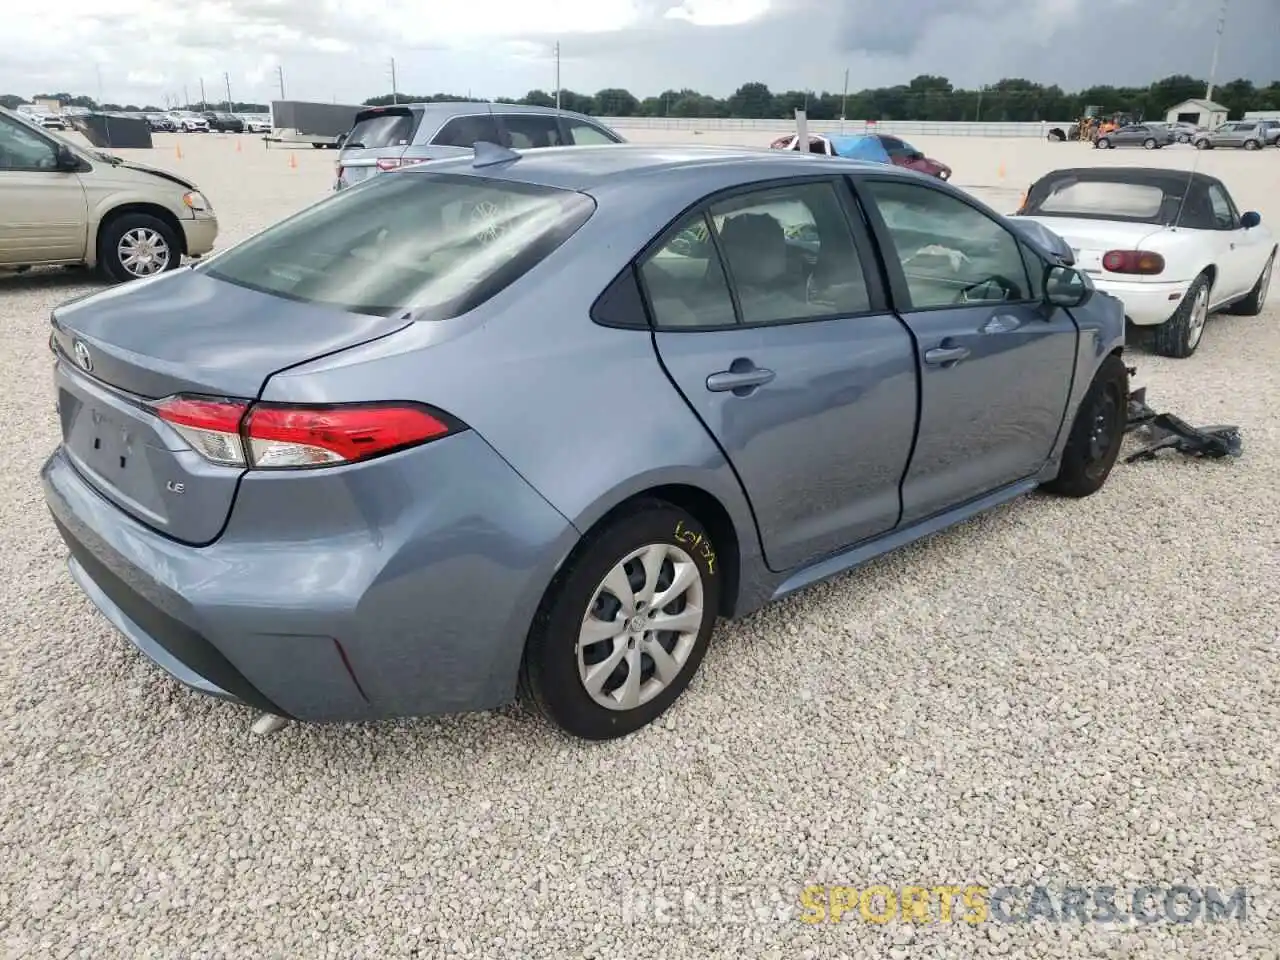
1065	693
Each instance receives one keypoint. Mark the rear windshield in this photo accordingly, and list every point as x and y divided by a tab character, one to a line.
1098	198
395	128
433	244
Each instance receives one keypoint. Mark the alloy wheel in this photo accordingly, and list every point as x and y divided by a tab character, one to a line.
641	626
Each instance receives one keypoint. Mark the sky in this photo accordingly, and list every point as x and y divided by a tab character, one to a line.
340	50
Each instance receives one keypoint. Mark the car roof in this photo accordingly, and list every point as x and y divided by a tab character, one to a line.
588	169
455	108
1165	178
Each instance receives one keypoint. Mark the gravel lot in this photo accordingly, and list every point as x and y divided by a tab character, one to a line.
1067	693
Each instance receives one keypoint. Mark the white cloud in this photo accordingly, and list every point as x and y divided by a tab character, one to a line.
719	13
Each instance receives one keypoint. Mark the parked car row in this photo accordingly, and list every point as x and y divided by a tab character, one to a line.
1245	134
189	121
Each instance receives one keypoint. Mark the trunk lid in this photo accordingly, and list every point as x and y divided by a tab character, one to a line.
181	332
1090	239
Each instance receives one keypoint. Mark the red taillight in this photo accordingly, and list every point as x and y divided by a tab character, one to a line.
394	163
1133	261
277	436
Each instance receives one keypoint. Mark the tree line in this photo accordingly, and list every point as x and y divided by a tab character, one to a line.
926	98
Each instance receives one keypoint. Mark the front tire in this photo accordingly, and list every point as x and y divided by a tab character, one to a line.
625	624
1102	143
135	246
1179	336
1096	434
1203	145
1252	145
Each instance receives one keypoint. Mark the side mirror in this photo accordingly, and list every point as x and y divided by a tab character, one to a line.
1250	219
66	161
1065	286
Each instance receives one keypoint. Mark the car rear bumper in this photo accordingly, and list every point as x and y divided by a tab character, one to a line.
401	587
1145	304
200	235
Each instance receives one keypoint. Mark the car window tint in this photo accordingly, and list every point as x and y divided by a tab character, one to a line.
685	281
24	149
950	252
586	134
529	131
790	254
467	132
1223	215
437	244
391	129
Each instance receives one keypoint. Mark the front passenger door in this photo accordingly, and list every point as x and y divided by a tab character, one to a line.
43	213
995	360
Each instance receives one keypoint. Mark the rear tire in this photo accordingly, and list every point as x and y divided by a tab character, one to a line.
1252	145
1096	434
1179	336
652	546
135	246
1252	305
1149	144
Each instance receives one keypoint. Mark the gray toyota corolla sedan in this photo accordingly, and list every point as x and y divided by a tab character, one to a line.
535	421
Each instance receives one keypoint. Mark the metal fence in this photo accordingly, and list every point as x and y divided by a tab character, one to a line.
906	128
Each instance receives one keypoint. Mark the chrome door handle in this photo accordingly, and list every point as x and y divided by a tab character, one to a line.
940	356
727	380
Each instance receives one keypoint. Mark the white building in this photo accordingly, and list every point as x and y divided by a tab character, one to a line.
1262	115
1203	113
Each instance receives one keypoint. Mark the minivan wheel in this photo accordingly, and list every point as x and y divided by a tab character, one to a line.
1097	433
625	624
137	245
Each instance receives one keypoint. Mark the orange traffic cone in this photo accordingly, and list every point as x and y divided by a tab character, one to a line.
177	151
1001	172
238	146
293	162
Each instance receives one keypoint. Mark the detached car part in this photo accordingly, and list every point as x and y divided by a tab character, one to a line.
1167	432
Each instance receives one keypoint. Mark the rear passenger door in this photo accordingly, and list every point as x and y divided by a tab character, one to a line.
467	131
530	131
996	362
771	321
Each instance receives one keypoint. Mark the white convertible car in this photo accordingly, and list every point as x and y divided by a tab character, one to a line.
1170	244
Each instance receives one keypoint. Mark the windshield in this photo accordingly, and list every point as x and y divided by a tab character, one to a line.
1105	199
390	129
434	244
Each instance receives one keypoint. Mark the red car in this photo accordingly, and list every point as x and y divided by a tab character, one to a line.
893	149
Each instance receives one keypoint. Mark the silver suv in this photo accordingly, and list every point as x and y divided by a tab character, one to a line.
1250	134
385	138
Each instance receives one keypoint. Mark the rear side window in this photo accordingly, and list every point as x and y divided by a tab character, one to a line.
585	134
530	131
467	132
392	128
435	244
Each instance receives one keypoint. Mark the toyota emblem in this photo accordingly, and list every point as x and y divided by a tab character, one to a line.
82	355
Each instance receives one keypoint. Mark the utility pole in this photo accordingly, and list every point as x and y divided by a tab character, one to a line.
226	78
186	99
557	74
1217	47
280	76
204	104
98	67
395	97
844	99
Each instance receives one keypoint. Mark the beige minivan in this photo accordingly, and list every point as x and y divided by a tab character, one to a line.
65	204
